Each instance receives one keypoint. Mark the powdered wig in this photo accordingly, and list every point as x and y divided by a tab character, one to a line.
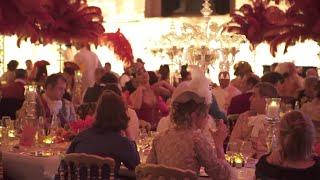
296	136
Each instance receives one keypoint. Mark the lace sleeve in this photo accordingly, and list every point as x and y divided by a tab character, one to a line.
215	168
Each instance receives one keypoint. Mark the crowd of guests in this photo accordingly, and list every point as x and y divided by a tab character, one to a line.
192	119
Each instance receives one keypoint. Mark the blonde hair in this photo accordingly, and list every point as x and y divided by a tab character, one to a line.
296	136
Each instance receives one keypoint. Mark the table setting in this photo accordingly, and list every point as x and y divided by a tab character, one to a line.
35	153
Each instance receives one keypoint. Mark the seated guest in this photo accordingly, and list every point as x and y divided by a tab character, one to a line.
149	106
184	73
132	131
312	109
29	67
93	93
104	137
309	92
241	103
68	74
161	87
312	72
250	125
8	76
51	102
241	69
292	81
125	77
293	158
225	92
273	78
184	146
16	89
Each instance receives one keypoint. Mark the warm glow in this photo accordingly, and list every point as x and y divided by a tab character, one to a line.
144	34
48	140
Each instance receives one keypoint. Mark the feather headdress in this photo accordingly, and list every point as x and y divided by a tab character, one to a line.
197	89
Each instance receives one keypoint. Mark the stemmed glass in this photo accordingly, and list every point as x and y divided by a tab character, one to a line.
246	150
232	150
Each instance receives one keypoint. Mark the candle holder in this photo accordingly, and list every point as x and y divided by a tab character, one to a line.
236	160
272	119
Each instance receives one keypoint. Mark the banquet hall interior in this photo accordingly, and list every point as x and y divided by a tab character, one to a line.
159	89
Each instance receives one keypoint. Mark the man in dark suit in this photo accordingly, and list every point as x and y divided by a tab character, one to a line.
241	103
15	90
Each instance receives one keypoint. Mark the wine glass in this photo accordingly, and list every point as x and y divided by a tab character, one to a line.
5	121
246	150
232	150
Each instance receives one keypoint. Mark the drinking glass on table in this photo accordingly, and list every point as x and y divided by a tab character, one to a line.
5	121
246	150
233	148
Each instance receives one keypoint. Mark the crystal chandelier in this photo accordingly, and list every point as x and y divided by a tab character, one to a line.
188	43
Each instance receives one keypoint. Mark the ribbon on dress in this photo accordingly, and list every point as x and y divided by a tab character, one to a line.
257	122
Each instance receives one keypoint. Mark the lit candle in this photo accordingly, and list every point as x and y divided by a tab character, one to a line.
11	133
1	131
273	108
48	140
238	161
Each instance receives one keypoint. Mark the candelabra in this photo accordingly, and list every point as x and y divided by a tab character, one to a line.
273	118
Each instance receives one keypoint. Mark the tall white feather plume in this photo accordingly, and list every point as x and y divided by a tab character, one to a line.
199	85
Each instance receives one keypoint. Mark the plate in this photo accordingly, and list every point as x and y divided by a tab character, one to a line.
41	154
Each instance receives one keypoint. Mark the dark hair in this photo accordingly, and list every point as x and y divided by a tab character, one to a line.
28	60
267	90
274	65
12	65
41	73
111	113
164	71
107	63
109	78
181	112
184	72
252	79
69	71
53	79
129	87
113	87
20	73
242	68
152	77
272	77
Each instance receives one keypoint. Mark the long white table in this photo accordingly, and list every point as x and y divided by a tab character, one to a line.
23	166
26	167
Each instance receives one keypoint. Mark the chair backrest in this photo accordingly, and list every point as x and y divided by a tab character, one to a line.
9	106
153	171
82	160
1	167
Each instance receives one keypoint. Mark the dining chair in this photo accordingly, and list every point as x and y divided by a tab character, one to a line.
1	167
82	161
153	171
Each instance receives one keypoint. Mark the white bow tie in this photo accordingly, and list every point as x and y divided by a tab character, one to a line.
258	123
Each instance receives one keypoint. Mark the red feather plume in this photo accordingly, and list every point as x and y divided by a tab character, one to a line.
121	46
261	22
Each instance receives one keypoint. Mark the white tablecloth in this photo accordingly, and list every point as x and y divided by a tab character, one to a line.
26	167
22	166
